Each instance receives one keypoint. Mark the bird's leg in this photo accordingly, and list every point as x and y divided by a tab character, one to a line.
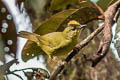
53	59
50	57
56	60
61	62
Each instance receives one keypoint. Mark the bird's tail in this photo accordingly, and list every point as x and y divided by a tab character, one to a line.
28	35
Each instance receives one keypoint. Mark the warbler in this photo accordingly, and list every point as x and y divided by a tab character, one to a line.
57	43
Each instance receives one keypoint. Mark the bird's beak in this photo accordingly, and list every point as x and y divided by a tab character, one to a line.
82	26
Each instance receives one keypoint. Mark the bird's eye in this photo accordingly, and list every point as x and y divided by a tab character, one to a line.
74	28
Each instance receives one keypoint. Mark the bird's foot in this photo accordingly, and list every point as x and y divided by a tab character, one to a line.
56	60
61	62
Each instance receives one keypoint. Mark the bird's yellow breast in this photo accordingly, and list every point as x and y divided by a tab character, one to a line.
66	49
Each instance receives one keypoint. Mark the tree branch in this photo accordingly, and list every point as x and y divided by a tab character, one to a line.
107	33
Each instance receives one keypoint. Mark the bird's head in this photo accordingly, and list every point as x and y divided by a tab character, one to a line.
75	24
73	28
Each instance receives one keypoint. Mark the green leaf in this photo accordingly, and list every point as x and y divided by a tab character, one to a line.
105	3
61	4
53	23
85	3
58	22
83	16
31	50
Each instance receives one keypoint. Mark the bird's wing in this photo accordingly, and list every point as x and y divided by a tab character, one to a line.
51	39
55	40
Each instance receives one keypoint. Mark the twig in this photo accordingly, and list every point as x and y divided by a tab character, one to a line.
14	74
6	77
75	51
22	69
115	19
107	33
18	76
26	69
100	10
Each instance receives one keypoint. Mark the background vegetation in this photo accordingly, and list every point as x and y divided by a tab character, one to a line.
53	15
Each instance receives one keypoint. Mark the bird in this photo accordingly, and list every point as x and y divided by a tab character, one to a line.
56	43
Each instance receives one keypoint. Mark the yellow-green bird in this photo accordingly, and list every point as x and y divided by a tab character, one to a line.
57	43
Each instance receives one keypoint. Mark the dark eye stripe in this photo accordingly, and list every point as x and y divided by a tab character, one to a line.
74	28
